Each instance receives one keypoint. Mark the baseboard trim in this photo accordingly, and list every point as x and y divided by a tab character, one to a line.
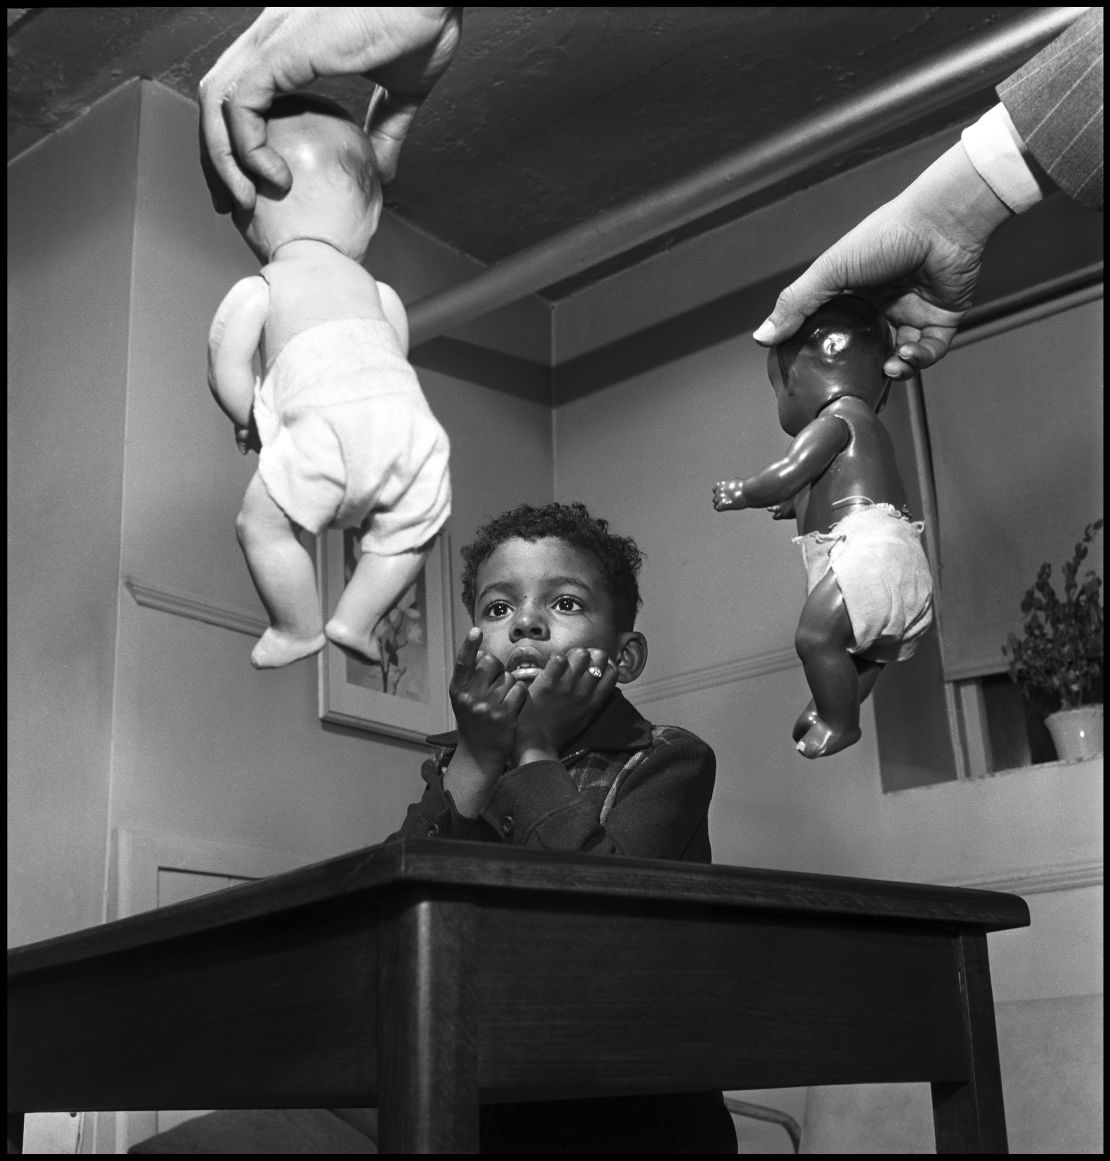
1057	877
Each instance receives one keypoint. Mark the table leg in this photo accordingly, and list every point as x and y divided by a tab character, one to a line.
427	1044
970	1117
15	1132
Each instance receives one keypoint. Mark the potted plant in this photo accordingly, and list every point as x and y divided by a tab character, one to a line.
1057	661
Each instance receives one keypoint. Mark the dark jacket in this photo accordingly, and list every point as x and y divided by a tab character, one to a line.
625	787
1055	103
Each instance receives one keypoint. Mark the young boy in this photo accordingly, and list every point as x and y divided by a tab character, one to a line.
549	754
870	594
344	434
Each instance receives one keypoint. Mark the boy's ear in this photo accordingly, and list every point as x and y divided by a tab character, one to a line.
631	657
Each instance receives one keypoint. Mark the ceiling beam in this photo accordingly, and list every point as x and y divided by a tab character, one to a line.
831	131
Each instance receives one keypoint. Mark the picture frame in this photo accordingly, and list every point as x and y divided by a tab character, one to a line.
406	695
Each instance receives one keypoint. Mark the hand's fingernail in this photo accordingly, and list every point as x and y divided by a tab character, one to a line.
764	332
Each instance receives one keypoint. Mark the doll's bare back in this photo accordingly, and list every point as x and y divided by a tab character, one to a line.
311	283
864	472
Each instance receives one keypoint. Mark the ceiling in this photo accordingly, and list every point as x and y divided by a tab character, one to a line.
547	117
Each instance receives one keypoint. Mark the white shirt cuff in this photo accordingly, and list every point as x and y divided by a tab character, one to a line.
996	150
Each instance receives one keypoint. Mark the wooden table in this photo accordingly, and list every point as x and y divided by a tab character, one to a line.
425	976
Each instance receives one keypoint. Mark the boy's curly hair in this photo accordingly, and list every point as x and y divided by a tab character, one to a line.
618	557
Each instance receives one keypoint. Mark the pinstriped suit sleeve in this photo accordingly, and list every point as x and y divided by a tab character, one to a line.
1055	102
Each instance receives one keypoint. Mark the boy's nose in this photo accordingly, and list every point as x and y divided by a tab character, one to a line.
528	623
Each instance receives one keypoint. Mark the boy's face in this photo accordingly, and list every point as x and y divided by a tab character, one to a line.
537	598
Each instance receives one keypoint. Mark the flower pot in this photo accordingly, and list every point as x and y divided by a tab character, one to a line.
1076	733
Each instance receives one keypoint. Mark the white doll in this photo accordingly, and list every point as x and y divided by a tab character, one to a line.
344	434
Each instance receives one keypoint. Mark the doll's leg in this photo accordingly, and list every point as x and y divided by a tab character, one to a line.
376	585
868	674
823	638
285	578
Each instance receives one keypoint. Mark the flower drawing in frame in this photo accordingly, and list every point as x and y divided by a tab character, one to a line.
404	694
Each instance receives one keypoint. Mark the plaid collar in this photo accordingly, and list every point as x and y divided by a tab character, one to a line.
619	726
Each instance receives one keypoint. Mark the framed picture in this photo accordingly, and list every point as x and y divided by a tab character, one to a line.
405	695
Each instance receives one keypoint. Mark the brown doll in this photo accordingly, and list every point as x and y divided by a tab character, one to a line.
868	582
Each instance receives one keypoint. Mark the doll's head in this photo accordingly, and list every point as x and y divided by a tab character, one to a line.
839	350
336	194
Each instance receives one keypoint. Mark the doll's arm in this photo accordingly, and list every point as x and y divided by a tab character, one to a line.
233	346
395	314
816	446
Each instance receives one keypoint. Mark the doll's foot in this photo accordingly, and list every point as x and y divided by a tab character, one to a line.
360	646
274	649
807	719
821	740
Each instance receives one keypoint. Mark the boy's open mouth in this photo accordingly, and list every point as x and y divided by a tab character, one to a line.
525	664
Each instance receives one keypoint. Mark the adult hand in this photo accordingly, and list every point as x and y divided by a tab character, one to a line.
562	701
403	50
917	258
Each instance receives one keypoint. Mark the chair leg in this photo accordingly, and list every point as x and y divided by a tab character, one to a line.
765	1113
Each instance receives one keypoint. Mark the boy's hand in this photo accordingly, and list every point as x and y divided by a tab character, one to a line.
486	701
568	694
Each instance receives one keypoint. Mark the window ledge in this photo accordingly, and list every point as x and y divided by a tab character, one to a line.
1034	828
1038	768
1070	766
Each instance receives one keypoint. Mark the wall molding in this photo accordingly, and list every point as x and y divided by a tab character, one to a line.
708	676
1031	304
1053	877
184	605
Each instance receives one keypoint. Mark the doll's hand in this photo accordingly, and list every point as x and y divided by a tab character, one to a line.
728	495
247	438
783	511
567	695
486	701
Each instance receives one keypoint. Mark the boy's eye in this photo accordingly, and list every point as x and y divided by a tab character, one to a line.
568	604
497	609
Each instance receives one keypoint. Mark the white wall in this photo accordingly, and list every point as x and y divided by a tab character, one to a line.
262	770
70	209
129	717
